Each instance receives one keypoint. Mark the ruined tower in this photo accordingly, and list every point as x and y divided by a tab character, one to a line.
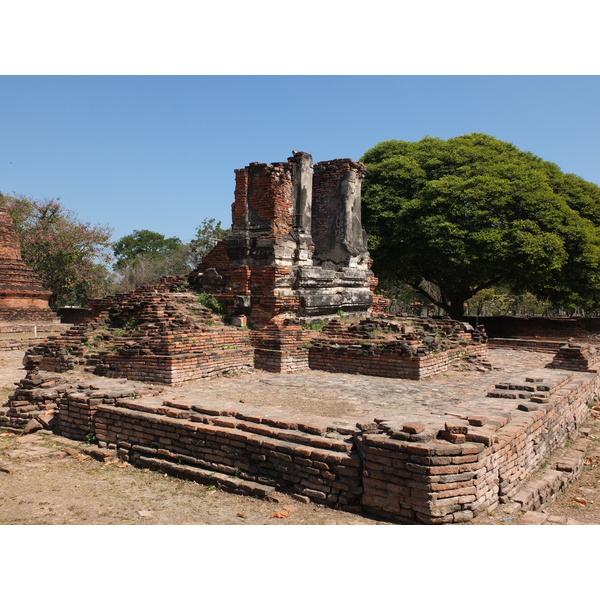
297	245
22	297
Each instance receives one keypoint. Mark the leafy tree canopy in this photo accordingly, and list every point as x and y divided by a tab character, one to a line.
144	243
470	212
149	269
71	258
145	256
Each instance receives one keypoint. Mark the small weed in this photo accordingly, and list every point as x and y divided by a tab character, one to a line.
91	438
210	323
182	287
131	323
316	326
210	302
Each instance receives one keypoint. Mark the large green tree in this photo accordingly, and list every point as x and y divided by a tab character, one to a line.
70	257
143	244
472	212
143	257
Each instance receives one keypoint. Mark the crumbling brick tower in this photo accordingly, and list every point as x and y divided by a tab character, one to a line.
22	297
297	245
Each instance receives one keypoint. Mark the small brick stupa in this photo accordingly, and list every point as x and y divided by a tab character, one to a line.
22	296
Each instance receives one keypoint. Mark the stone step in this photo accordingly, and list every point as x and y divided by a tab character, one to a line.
225	482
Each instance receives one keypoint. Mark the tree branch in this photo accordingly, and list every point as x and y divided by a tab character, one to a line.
418	288
487	284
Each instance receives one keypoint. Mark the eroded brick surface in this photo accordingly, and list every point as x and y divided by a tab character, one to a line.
22	297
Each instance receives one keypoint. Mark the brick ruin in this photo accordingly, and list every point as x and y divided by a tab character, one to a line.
292	272
297	254
22	297
297	245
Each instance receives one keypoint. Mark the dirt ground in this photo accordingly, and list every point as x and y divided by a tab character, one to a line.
50	480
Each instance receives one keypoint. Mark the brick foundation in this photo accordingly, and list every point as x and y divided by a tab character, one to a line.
445	468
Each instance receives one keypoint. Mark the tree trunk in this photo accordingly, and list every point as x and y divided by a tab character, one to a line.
456	311
455	305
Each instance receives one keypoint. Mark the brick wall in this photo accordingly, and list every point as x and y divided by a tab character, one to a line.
404	348
455	470
151	335
260	453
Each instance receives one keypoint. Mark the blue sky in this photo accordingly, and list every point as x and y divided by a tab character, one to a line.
159	152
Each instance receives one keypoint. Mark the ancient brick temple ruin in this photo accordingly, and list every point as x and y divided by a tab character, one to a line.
22	297
297	245
297	253
296	258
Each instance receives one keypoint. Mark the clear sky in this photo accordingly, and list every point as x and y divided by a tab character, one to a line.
159	152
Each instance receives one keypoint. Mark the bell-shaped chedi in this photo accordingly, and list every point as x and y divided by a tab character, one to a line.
22	296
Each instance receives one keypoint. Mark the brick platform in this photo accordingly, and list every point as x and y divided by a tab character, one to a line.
444	463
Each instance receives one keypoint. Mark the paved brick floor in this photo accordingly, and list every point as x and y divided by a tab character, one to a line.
352	397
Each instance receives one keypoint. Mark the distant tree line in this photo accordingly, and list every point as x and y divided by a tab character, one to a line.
143	257
77	261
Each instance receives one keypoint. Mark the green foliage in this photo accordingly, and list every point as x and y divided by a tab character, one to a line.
145	256
90	438
71	258
468	213
501	301
208	233
314	326
210	302
144	243
148	269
